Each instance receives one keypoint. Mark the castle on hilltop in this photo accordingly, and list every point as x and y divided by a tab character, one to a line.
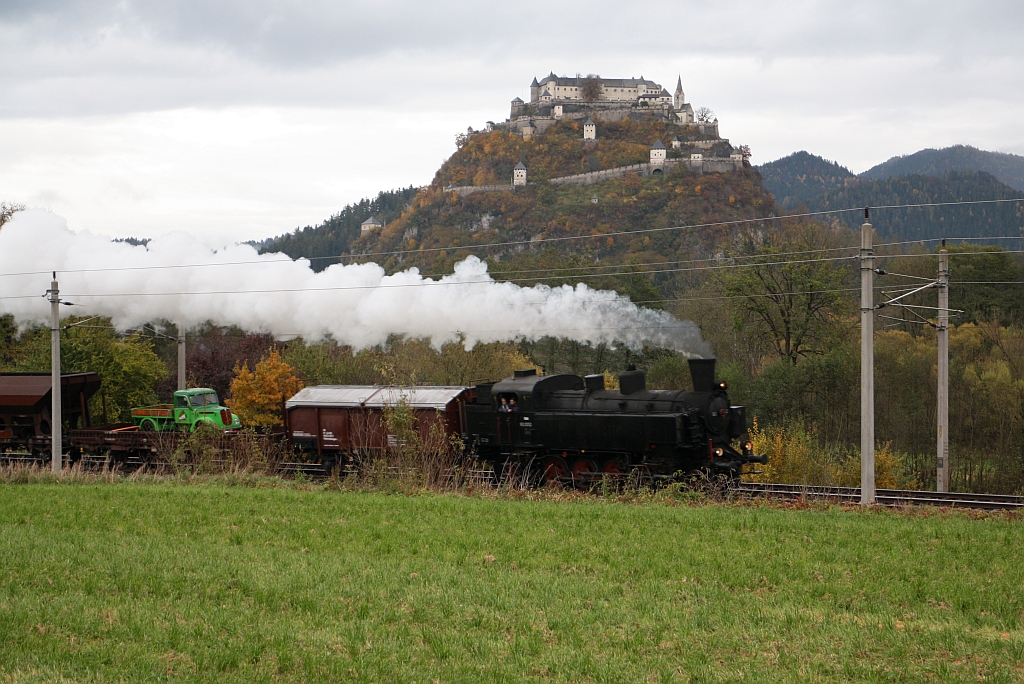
555	98
594	101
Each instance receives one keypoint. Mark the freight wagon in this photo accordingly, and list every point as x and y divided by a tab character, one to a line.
331	424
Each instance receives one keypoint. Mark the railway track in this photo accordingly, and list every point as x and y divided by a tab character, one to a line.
883	497
772	491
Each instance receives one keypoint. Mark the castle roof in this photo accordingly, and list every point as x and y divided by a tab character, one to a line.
675	138
589	122
519	167
514	101
545	93
607	82
679	84
372	221
657	145
534	84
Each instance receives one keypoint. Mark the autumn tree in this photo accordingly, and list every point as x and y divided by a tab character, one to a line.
790	283
258	396
592	88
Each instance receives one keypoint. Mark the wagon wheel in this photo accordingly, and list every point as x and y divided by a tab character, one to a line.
147	426
552	470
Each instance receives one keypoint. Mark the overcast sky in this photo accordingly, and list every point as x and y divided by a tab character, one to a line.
242	119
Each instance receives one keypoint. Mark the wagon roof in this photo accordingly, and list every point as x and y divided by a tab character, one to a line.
375	396
24	390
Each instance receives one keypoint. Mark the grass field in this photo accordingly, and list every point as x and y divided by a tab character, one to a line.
132	582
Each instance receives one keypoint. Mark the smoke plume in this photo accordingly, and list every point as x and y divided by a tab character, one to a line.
176	278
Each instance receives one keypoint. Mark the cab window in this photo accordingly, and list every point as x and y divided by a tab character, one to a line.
508	402
180	402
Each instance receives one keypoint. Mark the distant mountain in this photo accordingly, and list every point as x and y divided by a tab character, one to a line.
801	177
1008	168
818	184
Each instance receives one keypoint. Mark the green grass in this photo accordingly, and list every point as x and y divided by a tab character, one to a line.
132	582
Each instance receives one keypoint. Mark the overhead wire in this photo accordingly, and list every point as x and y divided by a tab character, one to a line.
534	241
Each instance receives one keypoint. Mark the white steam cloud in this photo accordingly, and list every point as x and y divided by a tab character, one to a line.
179	279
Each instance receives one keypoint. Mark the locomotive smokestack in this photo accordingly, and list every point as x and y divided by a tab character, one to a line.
703	373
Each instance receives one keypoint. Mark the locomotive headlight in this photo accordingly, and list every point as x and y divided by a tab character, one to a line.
719	451
748	447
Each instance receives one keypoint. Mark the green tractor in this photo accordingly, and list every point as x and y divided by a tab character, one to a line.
191	409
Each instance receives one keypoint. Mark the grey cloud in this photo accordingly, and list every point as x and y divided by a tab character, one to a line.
100	56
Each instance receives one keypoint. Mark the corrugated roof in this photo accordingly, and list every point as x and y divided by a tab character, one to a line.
374	396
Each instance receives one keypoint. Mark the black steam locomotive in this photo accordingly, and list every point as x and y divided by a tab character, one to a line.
556	427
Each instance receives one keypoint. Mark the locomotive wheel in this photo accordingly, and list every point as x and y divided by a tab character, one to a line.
583	470
552	469
613	466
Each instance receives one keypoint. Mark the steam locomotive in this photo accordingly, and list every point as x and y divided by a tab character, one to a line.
542	427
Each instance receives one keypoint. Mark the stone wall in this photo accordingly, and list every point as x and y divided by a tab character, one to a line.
470	189
705	165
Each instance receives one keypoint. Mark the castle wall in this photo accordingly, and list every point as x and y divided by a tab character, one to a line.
706	165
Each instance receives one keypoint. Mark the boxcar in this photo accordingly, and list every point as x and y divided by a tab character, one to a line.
334	423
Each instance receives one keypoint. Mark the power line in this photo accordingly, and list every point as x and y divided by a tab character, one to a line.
535	241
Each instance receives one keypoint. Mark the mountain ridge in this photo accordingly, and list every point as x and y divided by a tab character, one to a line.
1008	168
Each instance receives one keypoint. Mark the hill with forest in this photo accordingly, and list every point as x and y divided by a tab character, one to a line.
1008	168
326	241
808	181
802	177
565	226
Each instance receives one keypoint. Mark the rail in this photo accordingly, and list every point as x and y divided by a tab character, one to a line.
883	497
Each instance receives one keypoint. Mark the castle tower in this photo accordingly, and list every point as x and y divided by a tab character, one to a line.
680	98
589	130
517	108
519	175
528	130
658	153
534	90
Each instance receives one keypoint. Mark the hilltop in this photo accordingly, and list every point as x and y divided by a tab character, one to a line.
802	177
1008	168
